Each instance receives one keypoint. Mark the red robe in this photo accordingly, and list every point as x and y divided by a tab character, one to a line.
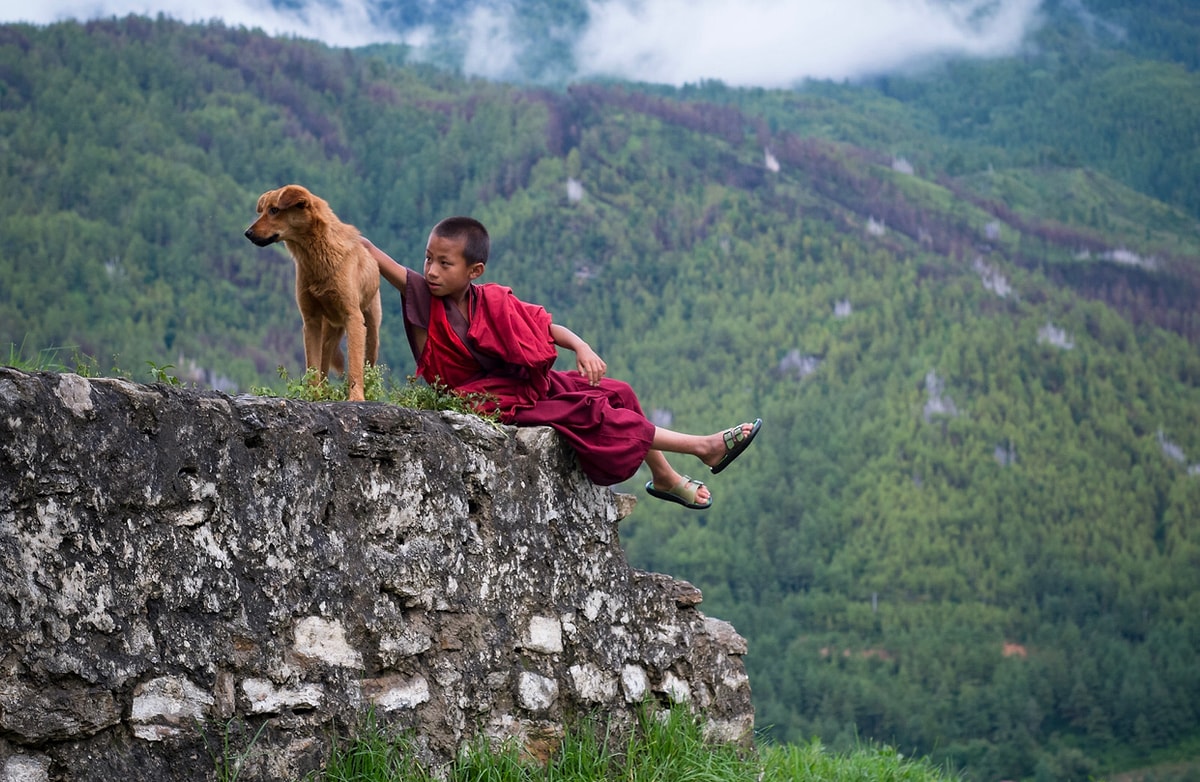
507	352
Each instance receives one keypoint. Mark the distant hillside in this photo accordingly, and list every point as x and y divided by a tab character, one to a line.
968	526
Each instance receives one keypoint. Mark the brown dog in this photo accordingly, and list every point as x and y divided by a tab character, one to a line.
337	281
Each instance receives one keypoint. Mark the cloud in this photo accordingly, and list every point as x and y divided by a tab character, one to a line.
348	23
491	49
764	43
777	43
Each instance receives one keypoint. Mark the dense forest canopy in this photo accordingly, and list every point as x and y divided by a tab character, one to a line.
963	302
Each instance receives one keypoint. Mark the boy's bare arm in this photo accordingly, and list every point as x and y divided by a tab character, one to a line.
587	361
389	270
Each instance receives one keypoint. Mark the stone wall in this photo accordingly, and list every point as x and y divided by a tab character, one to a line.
184	574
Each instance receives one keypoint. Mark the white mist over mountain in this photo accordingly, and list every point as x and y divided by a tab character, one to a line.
765	43
774	43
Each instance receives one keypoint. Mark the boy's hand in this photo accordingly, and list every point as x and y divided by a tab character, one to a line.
590	365
587	362
389	270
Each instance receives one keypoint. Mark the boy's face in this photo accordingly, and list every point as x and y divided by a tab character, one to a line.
446	270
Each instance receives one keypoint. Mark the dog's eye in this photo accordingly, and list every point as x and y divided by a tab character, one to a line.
273	211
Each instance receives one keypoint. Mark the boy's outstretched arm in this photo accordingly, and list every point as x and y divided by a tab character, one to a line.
587	361
389	270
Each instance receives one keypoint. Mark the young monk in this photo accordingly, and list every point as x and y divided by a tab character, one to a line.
481	339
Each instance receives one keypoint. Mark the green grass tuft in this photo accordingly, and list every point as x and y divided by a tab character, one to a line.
666	747
785	763
378	387
230	755
373	756
51	360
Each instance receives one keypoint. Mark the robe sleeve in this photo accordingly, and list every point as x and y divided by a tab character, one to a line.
515	331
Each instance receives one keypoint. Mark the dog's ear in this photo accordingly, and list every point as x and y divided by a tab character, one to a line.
292	196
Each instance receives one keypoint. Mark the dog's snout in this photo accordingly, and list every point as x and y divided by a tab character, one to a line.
261	241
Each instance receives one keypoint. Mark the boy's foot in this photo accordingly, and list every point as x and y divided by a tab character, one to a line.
737	440
683	492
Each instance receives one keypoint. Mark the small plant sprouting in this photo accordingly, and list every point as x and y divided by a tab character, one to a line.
162	374
85	365
228	760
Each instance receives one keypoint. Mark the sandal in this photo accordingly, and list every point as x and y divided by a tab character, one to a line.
684	493
736	441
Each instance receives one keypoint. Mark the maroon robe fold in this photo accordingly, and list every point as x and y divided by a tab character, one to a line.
506	352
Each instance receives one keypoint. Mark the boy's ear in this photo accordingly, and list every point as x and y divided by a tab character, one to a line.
476	270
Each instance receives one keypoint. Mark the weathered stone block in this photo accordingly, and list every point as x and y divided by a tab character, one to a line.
182	569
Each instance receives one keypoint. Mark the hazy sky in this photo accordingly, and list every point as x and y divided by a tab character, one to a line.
768	43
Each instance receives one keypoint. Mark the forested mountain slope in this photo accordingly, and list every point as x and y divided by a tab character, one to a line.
970	524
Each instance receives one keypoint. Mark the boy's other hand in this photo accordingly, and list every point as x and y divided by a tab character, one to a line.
590	365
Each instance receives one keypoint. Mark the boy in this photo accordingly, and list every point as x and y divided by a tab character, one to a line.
480	338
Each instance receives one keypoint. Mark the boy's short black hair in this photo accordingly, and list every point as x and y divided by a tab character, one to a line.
478	244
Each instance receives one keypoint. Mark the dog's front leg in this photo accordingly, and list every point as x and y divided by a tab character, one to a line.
331	335
312	349
373	315
356	355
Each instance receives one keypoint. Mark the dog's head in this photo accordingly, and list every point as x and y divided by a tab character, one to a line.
282	213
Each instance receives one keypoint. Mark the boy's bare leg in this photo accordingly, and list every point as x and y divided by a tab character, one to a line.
709	448
666	477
